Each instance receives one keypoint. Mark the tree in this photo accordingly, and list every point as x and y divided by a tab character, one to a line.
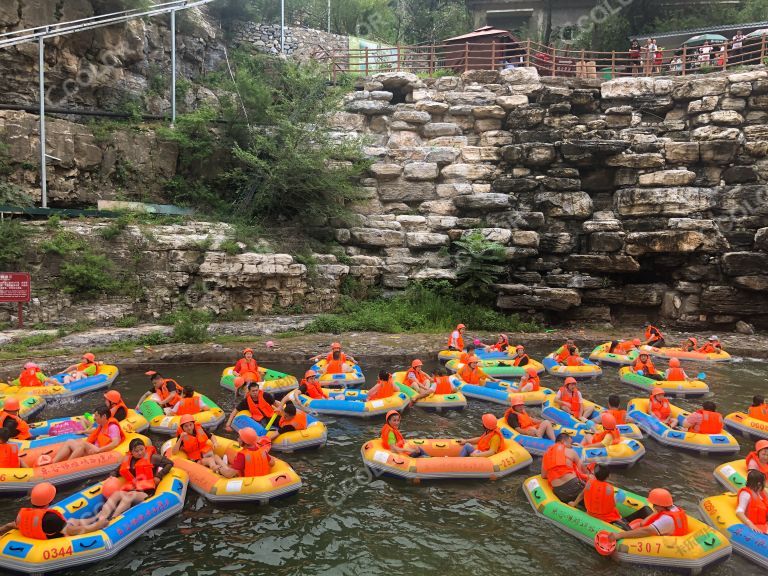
479	263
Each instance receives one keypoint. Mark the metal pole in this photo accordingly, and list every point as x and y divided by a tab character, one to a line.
282	26
41	77
329	16
173	67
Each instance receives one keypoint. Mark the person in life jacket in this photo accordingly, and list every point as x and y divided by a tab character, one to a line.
41	522
471	373
501	344
392	439
11	421
563	468
573	358
247	367
530	381
261	406
106	435
196	444
666	520
645	365
565	351
624	346
253	459
384	387
490	442
337	363
469	351
758	458
88	367
659	406
675	373
614	408
653	336
9	453
335	353
114	402
752	506
291	419
417	379
599	498
441	383
518	418
456	339
705	421
569	399
609	434
189	403
520	358
759	409
32	376
711	346
309	386
165	391
690	344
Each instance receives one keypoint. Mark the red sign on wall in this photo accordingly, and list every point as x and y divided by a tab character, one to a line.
15	287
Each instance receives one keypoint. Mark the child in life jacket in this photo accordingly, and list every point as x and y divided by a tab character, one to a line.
759	409
490	442
518	418
704	421
609	435
392	439
758	458
253	459
11	421
666	520
675	373
659	406
85	369
189	403
599	500
196	444
530	382
752	504
9	453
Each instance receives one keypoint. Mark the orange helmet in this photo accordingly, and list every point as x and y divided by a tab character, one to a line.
460	326
416	363
761	445
660	497
608	420
489	421
12	404
531	371
310	374
519	347
113	396
570	380
247	350
657	390
674	362
390	414
516	400
110	486
42	494
473	360
336	346
186	419
150	373
636	342
90	357
248	435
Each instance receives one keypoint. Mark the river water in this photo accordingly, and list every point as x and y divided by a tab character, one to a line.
345	522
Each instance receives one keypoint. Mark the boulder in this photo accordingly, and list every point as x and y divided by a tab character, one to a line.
726	118
757	283
682	152
521	80
493	111
396	79
730	300
432	107
514	101
557	299
556	242
744	328
421	240
384	171
744	263
576	205
412	116
406	191
601	263
739	175
369	107
421	171
761	239
644	294
482	202
716	133
672	241
692	88
480	76
628	160
525	238
706	104
664	201
719	152
467	172
376	237
667	178
480	154
579	150
627	88
436	129
606	241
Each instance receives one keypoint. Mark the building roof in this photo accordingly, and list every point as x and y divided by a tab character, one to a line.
482	32
709	29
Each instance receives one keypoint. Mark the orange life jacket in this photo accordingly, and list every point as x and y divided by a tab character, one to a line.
256	462
163	392
620	415
759	412
470	376
523	419
646	367
708	348
574	360
29	521
259	409
485	440
143	475
195	445
572	399
248	369
456	341
29	377
464	357
419	376
519	359
555	462
532	380
623	347
650	331
100	438
678	517
601	435
386	389
752	457
22	428
563	354
385	430
500	346
314	390
189	406
711	422
599	500
335	366
83	366
298	421
9	456
443	385
660	408
675	375
115	407
757	509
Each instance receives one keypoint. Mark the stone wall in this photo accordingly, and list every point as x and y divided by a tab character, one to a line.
639	197
300	43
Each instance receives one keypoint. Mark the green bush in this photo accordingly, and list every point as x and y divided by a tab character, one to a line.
63	243
190	326
478	263
13	243
25	344
127	322
231	247
88	276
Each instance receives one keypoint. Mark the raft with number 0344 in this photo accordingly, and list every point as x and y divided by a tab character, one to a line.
353	378
722	443
681	389
160	423
444	461
29	405
746	425
588	370
500	392
271	380
498	368
558	416
281	481
104	377
437	402
600	354
624	454
732	475
314	436
45	556
20	479
701	547
354	403
720	513
693	355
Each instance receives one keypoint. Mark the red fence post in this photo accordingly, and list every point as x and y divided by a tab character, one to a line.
466	56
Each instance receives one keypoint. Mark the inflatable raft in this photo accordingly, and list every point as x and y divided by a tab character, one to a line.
732	475
720	513
437	402
498	368
723	443
668	352
354	403
345	380
281	481
30	405
558	416
685	389
745	425
38	556
500	392
601	355
588	370
625	454
271	380
445	461
162	424
20	479
102	379
314	436
481	353
701	547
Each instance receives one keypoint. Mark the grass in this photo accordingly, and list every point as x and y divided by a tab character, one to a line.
29	342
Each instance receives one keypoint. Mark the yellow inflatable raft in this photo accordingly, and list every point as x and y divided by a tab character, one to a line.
281	481
746	425
437	402
354	377
672	388
160	423
354	403
314	436
668	352
720	513
271	380
104	377
444	461
30	405
699	548
732	475
588	370
601	355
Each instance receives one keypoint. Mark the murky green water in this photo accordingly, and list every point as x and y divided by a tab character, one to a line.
344	522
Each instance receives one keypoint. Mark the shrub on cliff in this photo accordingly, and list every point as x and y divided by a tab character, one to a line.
13	244
478	262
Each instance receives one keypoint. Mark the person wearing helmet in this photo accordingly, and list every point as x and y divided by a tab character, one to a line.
9	453
309	386
758	458
384	387
711	346
518	418
392	439
659	406
165	391
88	367
260	405
645	365
666	520
335	353
759	409
487	444
114	401
675	373
608	436
623	346
32	376
469	351
707	420
247	367
563	468
690	344
41	522
653	336
105	437
520	358
501	345
600	502
569	399
752	504
11	421
530	381
471	373
196	443
456	339
417	379
253	459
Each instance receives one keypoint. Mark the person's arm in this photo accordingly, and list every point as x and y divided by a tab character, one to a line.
162	464
351	359
474	440
68	369
577	500
7	527
743	503
201	406
143	397
228	426
177	445
636	533
171	395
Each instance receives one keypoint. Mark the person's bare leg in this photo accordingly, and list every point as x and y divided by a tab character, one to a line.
65	452
129	501
227	472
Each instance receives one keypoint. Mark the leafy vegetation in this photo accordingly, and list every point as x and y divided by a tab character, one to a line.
478	262
13	243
